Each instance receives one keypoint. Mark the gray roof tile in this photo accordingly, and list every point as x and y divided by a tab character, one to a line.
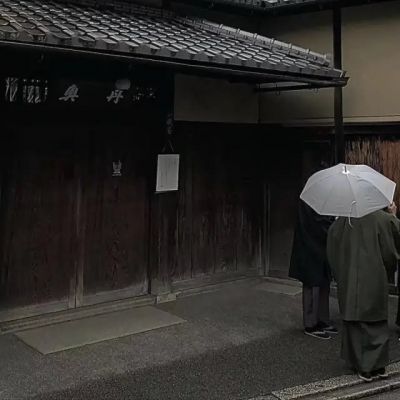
147	31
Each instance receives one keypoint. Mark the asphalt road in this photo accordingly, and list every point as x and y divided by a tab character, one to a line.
238	372
236	344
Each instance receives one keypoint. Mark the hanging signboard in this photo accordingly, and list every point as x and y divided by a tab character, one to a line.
167	173
71	94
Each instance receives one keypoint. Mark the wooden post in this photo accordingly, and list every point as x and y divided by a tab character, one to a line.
163	214
76	287
338	102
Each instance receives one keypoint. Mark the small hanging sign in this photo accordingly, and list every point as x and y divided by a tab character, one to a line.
117	166
167	173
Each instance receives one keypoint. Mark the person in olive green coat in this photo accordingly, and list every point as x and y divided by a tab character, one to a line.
361	252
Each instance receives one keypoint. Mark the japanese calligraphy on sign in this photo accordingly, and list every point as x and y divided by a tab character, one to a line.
115	96
71	94
11	89
143	93
28	91
88	94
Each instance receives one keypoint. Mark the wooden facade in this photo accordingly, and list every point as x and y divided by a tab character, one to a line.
73	234
76	185
76	232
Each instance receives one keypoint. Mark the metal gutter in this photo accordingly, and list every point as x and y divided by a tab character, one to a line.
249	9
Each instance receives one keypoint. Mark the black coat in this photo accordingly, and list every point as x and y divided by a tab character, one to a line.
308	262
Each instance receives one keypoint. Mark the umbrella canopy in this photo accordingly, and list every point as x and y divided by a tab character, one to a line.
348	191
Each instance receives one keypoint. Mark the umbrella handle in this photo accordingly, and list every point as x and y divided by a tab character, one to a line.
351	209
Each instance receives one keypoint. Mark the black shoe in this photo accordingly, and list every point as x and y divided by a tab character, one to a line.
365	376
330	329
317	333
381	373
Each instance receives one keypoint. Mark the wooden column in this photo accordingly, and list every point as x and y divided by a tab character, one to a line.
338	102
164	207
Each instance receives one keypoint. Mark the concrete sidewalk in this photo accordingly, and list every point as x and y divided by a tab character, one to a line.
240	342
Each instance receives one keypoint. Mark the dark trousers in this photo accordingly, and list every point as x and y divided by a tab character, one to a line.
315	305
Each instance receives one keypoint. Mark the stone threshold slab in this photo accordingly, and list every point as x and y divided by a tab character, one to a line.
85	331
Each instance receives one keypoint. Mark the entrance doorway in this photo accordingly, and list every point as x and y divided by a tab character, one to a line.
74	217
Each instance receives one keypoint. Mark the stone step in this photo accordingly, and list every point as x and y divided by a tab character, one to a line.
73	314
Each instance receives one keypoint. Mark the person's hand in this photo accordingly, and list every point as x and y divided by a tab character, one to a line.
392	209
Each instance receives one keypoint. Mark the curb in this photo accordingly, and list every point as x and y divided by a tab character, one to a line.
346	387
368	392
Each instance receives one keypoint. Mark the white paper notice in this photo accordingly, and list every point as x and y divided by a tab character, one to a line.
167	172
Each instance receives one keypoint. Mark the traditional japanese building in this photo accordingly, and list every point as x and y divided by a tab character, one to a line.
91	93
363	37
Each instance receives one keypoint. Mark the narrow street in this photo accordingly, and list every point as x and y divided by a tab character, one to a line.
241	342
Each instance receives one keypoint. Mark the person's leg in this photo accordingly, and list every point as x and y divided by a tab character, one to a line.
310	313
398	301
323	310
323	305
310	306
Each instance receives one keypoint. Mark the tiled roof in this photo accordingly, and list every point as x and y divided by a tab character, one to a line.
157	34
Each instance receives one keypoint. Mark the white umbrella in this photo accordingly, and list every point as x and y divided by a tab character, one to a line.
348	191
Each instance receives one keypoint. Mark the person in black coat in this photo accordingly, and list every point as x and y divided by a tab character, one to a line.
310	266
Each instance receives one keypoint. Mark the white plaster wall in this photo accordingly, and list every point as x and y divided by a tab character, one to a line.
214	100
371	56
312	31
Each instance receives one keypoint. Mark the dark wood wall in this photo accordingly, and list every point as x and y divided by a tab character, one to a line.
72	232
379	152
214	224
295	157
37	218
237	205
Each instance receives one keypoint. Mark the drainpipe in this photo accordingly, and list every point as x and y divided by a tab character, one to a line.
338	102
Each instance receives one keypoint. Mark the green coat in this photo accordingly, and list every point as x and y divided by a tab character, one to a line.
360	256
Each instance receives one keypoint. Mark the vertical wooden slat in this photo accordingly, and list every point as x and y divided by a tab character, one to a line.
81	242
184	211
204	204
226	202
